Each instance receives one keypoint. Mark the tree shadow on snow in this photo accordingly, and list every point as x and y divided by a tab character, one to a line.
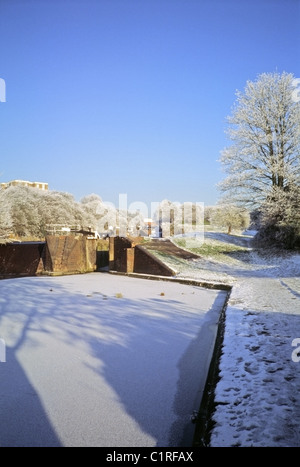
24	422
146	350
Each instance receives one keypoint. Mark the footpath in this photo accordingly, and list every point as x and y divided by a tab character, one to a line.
257	398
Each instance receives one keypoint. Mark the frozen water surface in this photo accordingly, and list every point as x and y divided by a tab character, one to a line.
103	360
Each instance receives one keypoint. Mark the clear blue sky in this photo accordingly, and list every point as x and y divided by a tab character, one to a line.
131	96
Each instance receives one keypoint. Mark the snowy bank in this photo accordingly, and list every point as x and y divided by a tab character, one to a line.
257	400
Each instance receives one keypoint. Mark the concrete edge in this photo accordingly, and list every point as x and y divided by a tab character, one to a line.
203	419
205	284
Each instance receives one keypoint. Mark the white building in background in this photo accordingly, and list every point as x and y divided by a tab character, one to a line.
39	185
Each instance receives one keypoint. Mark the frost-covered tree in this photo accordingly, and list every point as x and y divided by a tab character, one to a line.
263	162
103	217
136	224
230	216
22	207
57	207
26	212
208	210
174	218
6	223
93	209
265	132
279	219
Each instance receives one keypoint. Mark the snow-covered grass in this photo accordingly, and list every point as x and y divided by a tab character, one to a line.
220	257
211	248
257	399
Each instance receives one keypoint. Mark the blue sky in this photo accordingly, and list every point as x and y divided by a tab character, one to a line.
131	96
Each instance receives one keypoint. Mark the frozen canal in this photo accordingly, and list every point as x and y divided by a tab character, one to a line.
103	360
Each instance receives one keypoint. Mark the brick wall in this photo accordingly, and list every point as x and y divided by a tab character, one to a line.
69	254
21	259
58	255
147	263
125	256
117	253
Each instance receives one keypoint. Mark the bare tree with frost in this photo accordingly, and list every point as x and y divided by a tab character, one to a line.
263	162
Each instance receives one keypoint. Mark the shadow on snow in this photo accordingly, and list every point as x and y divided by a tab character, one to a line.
131	347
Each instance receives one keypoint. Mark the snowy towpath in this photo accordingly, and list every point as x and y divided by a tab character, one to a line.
258	396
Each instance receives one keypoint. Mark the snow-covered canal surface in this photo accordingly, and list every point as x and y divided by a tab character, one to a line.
103	360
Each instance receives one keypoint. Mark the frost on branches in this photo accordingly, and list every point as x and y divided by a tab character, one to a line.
263	162
231	217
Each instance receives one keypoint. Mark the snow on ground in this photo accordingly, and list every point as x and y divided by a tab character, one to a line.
99	380
258	396
103	360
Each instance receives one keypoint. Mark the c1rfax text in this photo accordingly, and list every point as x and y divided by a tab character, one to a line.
152	456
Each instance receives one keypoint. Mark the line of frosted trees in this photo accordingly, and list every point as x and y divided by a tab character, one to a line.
30	213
